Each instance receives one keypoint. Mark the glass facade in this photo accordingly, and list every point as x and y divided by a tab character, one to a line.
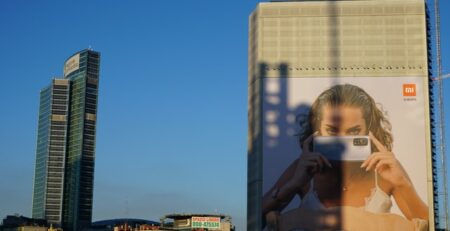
63	187
81	148
41	154
50	155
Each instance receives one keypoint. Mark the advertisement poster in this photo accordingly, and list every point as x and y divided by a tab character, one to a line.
342	153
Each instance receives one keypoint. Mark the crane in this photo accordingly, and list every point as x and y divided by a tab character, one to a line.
440	164
444	76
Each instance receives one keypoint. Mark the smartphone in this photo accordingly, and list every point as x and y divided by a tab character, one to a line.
343	148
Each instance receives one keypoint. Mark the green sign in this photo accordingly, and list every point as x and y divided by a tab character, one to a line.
206	222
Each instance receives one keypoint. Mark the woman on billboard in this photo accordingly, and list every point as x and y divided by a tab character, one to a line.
346	160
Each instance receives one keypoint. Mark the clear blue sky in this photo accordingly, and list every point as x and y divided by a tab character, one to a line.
172	115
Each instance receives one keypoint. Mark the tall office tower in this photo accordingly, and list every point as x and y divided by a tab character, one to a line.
82	69
66	145
51	152
305	52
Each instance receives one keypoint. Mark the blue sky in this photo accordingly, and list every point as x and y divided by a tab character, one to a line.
172	115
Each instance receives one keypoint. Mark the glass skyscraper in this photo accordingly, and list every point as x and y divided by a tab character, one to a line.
50	153
65	154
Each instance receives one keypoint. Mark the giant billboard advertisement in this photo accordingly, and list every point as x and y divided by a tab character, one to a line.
347	153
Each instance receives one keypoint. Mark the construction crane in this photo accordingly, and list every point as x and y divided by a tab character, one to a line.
445	76
440	162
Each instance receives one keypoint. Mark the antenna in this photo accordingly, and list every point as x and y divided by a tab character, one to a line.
126	209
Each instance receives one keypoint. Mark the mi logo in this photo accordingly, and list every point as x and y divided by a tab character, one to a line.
409	89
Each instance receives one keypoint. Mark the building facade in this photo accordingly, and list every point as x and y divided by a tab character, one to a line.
21	223
196	222
51	151
63	183
329	43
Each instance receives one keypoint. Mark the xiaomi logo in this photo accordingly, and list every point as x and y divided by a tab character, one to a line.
409	89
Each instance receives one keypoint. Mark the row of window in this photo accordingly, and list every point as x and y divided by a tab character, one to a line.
56	160
58	133
55	169
54	185
59	107
60	92
60	97
60	87
58	128
57	137
59	112
53	164
54	191
53	207
55	122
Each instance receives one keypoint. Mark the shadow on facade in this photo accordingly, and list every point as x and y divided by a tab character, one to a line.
275	125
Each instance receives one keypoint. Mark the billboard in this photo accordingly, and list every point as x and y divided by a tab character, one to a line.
342	153
206	222
72	64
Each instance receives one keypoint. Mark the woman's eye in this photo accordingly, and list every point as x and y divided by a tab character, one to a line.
331	132
354	132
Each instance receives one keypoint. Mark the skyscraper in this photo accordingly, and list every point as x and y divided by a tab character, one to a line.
300	49
51	151
63	182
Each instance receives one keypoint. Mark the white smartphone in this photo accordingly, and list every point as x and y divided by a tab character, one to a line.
343	148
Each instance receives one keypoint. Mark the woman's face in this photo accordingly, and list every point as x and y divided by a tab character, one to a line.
342	120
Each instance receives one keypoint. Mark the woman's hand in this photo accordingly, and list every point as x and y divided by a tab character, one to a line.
386	165
308	164
294	178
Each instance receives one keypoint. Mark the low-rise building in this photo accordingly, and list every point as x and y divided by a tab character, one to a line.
196	222
124	224
22	223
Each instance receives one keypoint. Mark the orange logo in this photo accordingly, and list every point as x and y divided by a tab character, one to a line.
409	89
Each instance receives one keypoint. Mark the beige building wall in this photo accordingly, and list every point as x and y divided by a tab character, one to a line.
362	38
26	228
342	38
